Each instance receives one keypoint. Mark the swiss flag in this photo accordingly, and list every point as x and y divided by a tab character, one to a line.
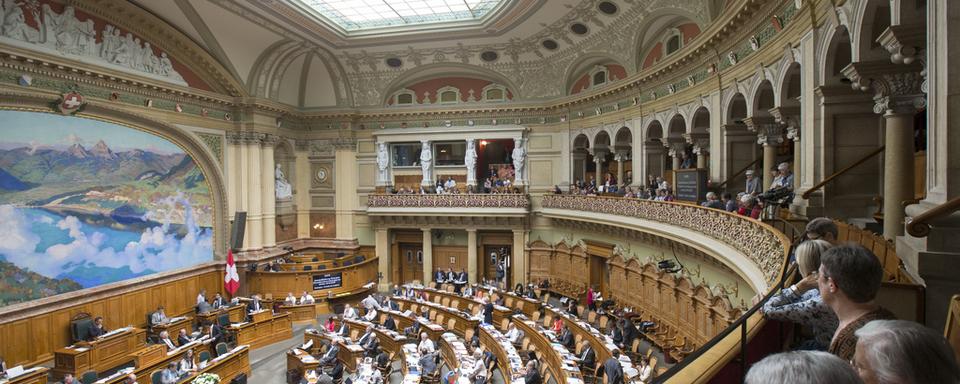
231	280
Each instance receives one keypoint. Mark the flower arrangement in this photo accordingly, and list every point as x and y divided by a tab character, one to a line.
206	378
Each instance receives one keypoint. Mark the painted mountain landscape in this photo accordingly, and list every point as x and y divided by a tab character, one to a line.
85	203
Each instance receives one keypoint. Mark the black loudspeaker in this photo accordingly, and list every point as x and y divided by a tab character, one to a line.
239	227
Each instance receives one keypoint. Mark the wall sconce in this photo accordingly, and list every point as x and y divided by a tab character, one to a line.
483	143
318	226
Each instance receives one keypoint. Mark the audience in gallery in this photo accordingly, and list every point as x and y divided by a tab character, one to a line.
801	303
903	352
848	281
802	367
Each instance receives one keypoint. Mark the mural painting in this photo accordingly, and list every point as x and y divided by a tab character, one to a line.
85	203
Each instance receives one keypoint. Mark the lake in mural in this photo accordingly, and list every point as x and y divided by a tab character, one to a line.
85	203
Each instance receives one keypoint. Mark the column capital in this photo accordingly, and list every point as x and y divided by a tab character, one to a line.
903	42
344	143
301	145
474	230
426	229
756	123
675	148
897	88
790	117
770	134
269	140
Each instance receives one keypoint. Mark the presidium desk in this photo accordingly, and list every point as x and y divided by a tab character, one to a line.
327	286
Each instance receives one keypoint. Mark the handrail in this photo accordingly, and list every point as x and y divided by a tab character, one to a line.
741	324
807	193
744	169
919	226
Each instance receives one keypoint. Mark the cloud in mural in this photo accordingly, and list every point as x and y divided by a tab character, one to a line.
159	248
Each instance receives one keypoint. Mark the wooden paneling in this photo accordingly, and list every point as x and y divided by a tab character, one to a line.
442	254
33	339
278	284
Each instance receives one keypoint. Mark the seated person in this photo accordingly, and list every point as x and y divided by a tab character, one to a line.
566	338
383	358
67	379
170	375
370	302
188	363
183	338
254	305
802	367
572	308
371	315
131	379
412	330
513	334
366	335
290	300
531	375
330	325
371	346
165	340
218	302
426	345
159	317
96	329
429	363
328	357
349	312
215	332
204	307
390	323
587	358
337	371
477	373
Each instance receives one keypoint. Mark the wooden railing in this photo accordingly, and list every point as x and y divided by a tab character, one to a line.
806	195
469	200
919	226
738	173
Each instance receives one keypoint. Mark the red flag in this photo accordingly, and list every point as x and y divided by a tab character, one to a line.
231	280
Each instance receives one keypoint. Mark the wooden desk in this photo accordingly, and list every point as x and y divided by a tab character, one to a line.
173	327
461	322
301	314
100	355
35	375
353	278
390	341
155	357
403	321
466	304
301	361
553	358
270	329
236	313
227	366
507	358
349	353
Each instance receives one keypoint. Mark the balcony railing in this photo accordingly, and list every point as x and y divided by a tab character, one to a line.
521	201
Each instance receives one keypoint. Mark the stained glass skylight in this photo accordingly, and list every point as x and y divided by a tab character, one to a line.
355	15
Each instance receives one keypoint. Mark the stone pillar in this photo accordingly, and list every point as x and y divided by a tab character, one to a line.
598	157
519	258
255	192
345	186
639	161
619	157
301	185
427	255
384	263
898	97
702	156
579	164
472	255
268	192
770	135
676	150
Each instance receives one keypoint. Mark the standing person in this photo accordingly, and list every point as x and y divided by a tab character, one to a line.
612	368
501	271
590	303
487	311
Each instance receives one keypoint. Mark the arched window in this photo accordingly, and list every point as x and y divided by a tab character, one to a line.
494	92
599	75
673	44
448	95
404	97
672	41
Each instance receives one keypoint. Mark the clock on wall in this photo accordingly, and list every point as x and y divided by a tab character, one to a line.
322	174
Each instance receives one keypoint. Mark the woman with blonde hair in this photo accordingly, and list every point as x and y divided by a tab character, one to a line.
801	303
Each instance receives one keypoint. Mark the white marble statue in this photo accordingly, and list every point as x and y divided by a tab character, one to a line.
283	188
519	156
383	163
470	160
66	34
426	157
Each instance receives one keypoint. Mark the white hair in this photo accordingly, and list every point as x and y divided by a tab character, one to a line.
802	367
906	352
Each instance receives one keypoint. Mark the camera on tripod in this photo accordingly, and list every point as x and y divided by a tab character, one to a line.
779	196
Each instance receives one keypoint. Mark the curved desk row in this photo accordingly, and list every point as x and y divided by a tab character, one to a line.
297	265
329	283
466	304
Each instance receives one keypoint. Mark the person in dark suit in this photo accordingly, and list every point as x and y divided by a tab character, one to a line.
215	332
616	334
219	302
440	277
588	358
344	330
487	311
566	338
413	330
330	355
204	307
372	346
183	338
612	369
96	329
630	332
363	340
532	374
397	291
389	323
383	358
337	372
429	363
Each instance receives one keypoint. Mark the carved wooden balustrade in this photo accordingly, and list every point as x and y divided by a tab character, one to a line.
469	200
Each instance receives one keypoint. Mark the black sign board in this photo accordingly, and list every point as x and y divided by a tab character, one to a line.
327	281
690	184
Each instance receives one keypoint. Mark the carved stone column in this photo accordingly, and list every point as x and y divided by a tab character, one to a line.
472	260
703	155
769	135
427	255
620	157
253	185
701	147
676	150
789	117
384	263
518	261
345	185
599	155
301	186
268	193
898	97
